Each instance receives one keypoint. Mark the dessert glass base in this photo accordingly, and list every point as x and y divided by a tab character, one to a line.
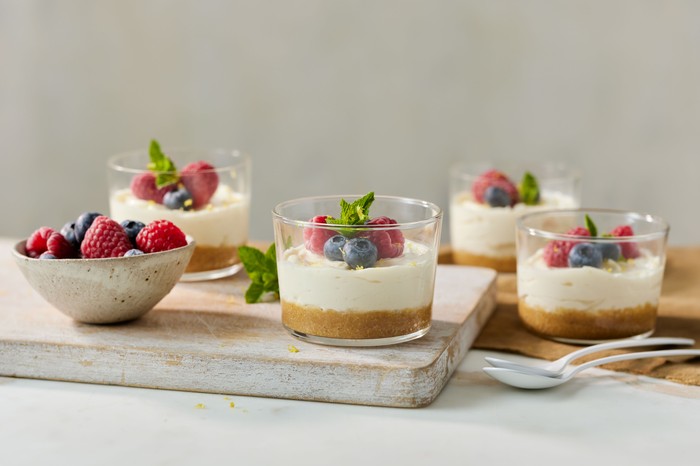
210	263
585	327
211	274
572	341
350	328
358	342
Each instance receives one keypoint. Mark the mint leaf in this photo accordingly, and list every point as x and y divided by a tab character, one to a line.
166	173
254	293
262	270
529	189
356	213
591	226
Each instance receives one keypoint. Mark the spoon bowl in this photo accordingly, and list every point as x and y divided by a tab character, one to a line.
532	381
556	368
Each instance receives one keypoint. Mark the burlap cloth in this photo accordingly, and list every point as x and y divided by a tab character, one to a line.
679	316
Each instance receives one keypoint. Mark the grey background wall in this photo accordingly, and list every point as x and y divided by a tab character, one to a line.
346	96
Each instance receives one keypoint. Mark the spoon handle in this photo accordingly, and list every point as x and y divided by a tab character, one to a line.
626	357
624	344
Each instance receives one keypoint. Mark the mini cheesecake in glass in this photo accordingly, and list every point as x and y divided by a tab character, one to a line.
486	200
357	271
586	276
204	192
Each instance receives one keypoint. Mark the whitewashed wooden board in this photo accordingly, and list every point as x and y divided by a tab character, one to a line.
203	337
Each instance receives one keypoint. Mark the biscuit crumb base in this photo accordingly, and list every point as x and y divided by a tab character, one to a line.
330	323
606	324
212	258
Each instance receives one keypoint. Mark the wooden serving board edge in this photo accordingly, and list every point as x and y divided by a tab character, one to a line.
228	375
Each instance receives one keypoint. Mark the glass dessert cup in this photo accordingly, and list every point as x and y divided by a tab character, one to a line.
335	301
219	224
584	289
484	235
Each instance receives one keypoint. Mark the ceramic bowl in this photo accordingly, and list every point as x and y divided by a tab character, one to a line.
105	291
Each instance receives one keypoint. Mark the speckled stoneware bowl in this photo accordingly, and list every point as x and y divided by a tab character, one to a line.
105	291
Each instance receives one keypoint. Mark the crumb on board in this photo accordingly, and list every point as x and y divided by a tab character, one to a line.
199	406
292	349
231	299
232	404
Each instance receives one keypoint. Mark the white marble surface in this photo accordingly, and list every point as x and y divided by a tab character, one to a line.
601	417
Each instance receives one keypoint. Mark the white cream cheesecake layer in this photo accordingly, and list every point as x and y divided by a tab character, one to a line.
223	222
616	286
490	231
309	279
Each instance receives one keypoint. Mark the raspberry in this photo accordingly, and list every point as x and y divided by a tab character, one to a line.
629	250
36	243
556	253
315	238
160	235
104	238
497	179
60	247
389	242
579	231
144	187
201	181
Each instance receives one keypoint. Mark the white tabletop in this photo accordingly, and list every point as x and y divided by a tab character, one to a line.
600	417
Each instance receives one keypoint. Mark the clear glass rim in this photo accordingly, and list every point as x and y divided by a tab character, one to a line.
243	159
641	217
276	215
468	170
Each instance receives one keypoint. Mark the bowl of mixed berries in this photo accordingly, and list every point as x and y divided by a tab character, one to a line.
98	271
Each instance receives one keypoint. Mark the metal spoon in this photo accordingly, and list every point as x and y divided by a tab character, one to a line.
555	368
534	381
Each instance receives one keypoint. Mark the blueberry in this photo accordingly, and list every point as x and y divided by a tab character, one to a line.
178	199
496	197
333	248
68	232
585	254
610	251
133	252
360	253
47	255
83	223
132	229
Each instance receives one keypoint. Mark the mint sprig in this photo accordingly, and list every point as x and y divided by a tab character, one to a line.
592	229
529	189
356	213
162	165
262	270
